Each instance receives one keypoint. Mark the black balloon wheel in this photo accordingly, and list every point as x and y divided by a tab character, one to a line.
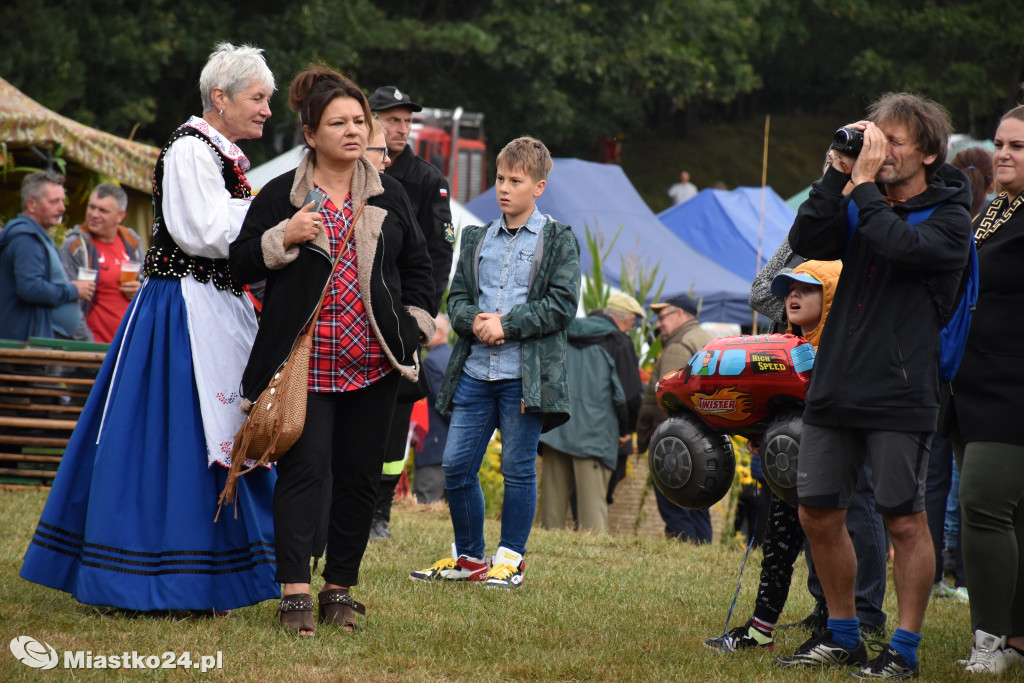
672	462
781	450
785	450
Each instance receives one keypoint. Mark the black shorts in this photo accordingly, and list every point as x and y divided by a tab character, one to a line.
831	458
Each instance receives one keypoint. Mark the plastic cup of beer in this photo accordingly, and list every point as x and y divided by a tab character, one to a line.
87	274
130	270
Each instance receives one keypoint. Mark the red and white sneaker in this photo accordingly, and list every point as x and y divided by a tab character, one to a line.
454	568
507	571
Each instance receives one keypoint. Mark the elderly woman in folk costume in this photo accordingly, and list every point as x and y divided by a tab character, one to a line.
130	519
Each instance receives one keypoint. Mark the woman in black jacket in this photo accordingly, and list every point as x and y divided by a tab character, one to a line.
988	401
377	309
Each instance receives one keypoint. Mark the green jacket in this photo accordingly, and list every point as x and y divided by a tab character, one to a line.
539	324
599	414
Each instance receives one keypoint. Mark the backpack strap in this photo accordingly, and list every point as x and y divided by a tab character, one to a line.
853	219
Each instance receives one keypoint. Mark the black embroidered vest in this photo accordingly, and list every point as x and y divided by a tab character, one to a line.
165	259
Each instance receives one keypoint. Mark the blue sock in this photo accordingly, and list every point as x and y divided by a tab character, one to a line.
906	642
845	632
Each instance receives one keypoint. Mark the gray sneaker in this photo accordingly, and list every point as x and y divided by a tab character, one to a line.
740	638
379	530
890	665
820	650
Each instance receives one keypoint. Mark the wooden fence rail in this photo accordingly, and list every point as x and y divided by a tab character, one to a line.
43	386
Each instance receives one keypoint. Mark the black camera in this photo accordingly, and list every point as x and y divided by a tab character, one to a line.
848	141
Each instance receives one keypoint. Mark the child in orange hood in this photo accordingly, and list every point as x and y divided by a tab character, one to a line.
808	290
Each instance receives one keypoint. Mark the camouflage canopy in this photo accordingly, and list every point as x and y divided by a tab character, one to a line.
26	123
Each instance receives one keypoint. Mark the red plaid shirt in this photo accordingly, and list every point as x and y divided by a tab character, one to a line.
346	354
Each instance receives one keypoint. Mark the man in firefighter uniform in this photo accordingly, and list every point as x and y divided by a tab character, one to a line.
428	193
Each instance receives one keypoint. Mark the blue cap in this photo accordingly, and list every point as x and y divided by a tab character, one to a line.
781	282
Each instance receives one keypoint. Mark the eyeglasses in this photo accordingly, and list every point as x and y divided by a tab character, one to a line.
383	151
666	313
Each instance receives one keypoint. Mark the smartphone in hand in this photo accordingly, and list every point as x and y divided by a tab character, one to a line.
317	197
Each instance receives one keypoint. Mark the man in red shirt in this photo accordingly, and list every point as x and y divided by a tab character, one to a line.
103	245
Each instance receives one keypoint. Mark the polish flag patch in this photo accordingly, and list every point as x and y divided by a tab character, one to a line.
444	193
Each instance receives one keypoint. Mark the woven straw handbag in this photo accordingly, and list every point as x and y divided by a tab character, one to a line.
277	417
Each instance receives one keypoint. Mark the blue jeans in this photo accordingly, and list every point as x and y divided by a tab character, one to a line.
478	409
682	523
951	522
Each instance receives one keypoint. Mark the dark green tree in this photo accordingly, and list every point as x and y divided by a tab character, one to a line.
569	72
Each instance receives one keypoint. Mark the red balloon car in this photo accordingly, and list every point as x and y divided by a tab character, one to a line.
753	386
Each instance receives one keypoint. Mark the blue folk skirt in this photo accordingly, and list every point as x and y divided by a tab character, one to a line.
129	521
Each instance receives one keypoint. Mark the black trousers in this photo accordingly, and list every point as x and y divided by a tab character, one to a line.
936	493
344	437
394	452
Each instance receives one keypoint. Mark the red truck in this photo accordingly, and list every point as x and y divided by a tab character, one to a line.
453	141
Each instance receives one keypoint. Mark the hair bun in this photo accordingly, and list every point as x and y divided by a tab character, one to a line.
304	83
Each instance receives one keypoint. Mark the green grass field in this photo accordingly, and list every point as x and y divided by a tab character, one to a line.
593	608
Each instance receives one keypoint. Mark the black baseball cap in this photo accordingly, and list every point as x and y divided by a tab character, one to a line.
678	301
389	97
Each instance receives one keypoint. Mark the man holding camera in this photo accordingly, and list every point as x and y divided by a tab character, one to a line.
904	235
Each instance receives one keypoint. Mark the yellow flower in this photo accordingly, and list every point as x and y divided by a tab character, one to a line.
491	481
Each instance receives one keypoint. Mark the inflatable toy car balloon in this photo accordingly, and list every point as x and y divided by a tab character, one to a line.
753	386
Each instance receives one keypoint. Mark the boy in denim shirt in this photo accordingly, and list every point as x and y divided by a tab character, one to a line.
515	290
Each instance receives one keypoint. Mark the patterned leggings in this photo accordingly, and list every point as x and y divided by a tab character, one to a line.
783	541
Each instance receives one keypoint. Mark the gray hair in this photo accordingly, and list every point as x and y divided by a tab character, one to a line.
233	69
619	315
443	323
111	190
33	186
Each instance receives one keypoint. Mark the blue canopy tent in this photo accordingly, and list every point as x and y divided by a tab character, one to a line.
724	225
600	197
